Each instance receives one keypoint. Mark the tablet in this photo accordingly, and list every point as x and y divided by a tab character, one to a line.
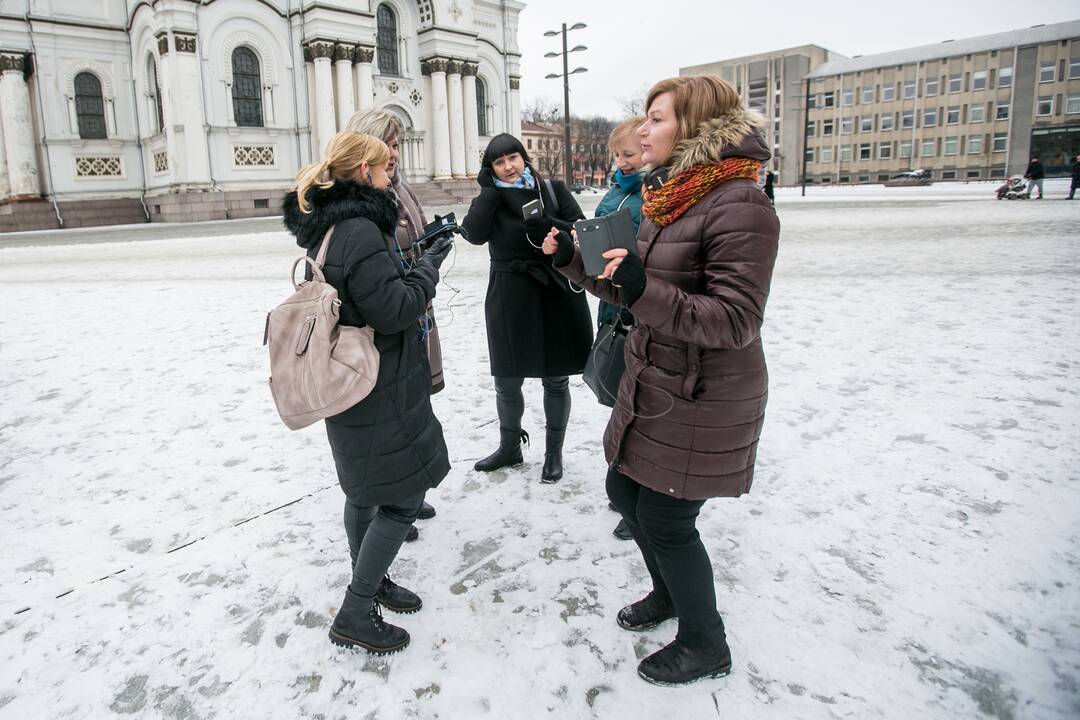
598	235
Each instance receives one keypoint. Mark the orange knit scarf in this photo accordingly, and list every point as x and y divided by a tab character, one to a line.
664	206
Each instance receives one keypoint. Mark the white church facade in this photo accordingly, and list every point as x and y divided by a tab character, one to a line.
179	110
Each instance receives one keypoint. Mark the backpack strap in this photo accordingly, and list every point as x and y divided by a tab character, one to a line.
320	259
553	196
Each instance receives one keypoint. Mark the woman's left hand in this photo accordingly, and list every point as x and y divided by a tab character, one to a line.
616	256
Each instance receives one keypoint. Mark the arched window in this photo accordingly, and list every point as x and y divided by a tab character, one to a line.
246	88
155	92
386	40
481	107
89	106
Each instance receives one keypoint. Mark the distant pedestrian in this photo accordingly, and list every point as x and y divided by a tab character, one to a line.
769	179
1034	175
1075	178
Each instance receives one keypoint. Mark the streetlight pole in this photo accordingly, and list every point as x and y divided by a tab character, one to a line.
566	73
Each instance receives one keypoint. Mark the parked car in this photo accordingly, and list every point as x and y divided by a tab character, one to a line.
577	188
909	179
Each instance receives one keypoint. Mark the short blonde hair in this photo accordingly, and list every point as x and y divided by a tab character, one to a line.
625	133
345	153
696	99
379	123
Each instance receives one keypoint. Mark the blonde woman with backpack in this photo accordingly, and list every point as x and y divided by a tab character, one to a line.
388	448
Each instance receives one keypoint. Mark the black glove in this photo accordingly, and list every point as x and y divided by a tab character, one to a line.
438	250
629	276
565	253
537	228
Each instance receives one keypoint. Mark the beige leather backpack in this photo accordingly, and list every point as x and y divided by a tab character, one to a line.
317	368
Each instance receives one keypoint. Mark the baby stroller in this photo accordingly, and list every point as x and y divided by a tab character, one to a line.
1013	189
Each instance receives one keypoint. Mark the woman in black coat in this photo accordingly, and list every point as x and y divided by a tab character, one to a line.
389	447
538	326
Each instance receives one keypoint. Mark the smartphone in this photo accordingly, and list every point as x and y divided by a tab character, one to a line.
532	209
598	235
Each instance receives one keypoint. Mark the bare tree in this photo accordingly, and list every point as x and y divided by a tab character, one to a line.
634	103
542	110
591	150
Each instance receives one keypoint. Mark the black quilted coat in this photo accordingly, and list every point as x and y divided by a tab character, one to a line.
389	445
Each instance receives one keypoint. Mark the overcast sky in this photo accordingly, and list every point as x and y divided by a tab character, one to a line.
634	43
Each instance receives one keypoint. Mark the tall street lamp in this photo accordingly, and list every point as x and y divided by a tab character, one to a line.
566	73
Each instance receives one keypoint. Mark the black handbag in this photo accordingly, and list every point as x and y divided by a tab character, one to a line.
606	364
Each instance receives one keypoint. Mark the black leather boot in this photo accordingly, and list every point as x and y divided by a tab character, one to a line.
646	613
359	623
682	664
396	598
426	511
553	470
509	452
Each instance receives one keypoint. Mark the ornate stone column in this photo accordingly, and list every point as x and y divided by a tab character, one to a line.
309	75
321	52
20	148
365	76
185	91
435	68
472	126
5	182
515	106
457	121
343	89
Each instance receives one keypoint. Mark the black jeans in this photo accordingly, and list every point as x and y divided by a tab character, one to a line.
375	535
665	531
510	403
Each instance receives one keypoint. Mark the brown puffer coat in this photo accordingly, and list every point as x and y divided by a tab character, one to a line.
696	347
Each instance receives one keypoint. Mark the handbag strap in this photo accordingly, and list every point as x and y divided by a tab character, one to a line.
320	259
554	198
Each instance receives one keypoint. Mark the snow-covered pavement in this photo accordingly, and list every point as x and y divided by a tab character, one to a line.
911	547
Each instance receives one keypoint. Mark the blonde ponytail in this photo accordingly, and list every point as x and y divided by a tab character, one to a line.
345	153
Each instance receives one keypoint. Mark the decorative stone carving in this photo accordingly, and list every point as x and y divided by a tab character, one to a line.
515	83
98	167
18	62
453	67
162	43
161	162
307	55
469	68
343	52
363	54
393	87
253	155
320	49
416	97
433	65
184	42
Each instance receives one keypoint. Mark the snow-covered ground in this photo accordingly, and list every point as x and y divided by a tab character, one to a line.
909	550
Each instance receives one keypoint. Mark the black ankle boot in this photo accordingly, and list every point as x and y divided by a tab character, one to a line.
646	613
509	452
359	623
426	511
681	664
552	471
396	598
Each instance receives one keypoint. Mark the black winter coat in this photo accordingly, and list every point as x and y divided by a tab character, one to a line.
1035	171
389	445
536	325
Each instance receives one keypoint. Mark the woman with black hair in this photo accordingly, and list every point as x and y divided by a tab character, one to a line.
538	326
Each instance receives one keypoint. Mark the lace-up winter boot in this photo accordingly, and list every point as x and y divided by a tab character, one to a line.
359	623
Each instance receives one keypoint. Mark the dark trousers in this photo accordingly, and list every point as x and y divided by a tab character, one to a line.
375	535
665	531
510	403
1073	187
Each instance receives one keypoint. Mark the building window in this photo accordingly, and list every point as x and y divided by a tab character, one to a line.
929	148
386	40
1004	77
1048	71
847	97
888	93
827	154
978	80
952	116
811	128
909	89
886	122
155	92
973	174
809	154
845	126
528	144
89	106
907	119
977	113
1074	68
956	83
830	99
1001	140
952	144
929	118
904	151
931	86
827	127
868	94
884	151
1045	106
975	144
246	88
1072	105
845	153
866	151
866	124
811	102
1002	111
481	107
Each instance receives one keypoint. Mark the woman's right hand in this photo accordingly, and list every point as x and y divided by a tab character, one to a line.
551	242
560	246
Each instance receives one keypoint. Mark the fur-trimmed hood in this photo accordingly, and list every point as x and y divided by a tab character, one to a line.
734	134
341	201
